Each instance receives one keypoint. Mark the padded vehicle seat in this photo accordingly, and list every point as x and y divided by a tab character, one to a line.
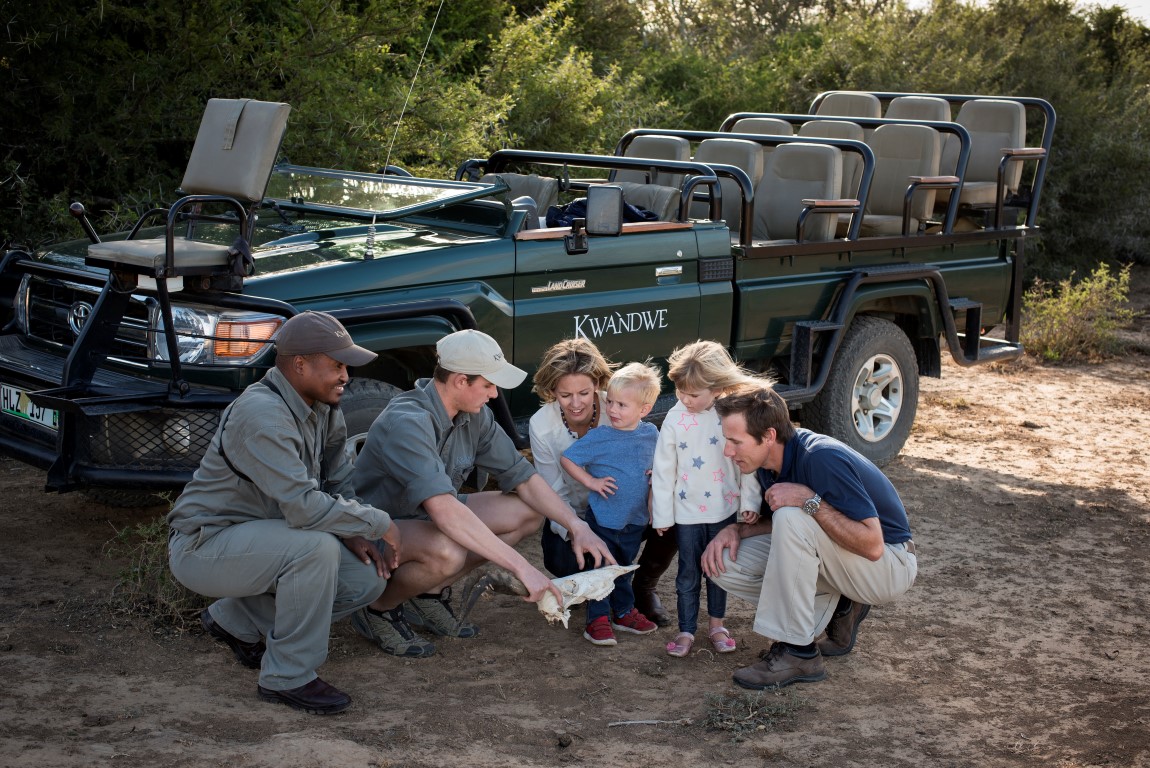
231	161
663	201
901	152
794	173
919	108
994	125
544	190
852	161
767	126
655	148
738	152
850	104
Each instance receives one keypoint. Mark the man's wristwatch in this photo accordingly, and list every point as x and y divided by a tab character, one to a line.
811	505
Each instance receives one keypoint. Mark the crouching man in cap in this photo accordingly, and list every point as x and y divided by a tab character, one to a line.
418	454
270	523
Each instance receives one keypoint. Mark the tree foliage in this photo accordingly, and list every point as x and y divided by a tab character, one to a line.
101	100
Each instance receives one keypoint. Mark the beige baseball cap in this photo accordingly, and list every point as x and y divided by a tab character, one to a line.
310	333
477	354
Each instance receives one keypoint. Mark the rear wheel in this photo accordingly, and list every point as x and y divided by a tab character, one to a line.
362	401
871	394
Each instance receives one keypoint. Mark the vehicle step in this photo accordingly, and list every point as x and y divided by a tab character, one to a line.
959	304
803	337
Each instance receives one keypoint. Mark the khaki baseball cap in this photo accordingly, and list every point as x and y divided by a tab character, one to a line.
477	354
310	333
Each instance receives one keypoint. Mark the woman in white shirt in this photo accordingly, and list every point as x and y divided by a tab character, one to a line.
570	382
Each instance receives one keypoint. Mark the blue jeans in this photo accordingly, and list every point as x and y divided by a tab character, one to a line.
693	539
624	547
558	557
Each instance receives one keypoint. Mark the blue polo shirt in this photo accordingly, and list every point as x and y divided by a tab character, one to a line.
846	479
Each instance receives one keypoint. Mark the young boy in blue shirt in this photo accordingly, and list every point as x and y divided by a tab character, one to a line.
614	462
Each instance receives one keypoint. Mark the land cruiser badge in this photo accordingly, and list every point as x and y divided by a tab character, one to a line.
559	285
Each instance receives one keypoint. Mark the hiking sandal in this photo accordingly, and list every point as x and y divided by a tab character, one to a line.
681	645
722	640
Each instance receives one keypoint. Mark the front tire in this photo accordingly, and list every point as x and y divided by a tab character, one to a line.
362	401
871	395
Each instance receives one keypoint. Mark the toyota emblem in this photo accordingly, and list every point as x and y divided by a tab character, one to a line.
78	314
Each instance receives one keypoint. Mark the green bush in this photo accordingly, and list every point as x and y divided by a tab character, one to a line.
1072	321
146	586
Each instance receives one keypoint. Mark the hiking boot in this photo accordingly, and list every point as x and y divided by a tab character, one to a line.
433	613
779	667
390	631
634	622
599	632
843	630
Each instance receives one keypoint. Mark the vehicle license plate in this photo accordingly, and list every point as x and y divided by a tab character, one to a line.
15	402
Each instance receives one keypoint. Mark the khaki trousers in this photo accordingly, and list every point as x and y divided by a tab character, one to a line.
796	574
283	584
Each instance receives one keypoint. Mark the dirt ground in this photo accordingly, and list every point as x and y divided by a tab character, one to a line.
1023	643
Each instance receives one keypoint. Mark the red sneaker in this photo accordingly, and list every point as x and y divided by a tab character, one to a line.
634	622
599	632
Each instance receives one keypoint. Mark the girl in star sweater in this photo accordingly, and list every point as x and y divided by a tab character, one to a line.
696	489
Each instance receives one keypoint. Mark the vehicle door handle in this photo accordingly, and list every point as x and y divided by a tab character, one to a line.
668	271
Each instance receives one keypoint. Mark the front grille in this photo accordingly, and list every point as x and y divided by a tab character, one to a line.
165	438
51	303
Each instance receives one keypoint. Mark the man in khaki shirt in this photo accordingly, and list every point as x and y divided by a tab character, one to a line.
261	523
418	453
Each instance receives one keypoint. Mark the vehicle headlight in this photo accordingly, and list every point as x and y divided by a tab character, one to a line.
209	336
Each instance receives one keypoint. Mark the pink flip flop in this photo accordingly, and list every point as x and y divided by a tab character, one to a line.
681	646
722	644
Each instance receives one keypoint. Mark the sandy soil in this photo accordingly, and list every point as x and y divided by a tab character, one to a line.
1023	642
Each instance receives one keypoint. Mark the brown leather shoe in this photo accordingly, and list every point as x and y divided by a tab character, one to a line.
843	630
249	654
648	604
780	667
315	698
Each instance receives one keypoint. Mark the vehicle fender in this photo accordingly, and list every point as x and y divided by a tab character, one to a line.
409	334
913	306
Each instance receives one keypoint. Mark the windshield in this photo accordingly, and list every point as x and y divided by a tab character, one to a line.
370	195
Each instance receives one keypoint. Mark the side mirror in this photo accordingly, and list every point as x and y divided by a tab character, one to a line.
604	210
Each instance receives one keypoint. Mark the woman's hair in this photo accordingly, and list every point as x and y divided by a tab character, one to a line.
570	356
763	409
706	365
644	378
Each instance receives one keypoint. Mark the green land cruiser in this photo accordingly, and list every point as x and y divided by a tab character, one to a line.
839	250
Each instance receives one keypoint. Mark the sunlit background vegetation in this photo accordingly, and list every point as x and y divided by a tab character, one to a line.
101	99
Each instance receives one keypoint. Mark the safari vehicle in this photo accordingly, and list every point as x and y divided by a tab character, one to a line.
820	257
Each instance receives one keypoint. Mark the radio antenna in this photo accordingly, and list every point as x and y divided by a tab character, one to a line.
415	77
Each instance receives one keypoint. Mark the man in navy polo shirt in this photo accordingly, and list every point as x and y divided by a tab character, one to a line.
837	540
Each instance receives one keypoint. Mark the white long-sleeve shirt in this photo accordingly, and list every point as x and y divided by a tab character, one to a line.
692	481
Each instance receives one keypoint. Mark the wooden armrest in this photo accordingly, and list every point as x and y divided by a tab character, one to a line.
634	227
1023	152
934	179
840	203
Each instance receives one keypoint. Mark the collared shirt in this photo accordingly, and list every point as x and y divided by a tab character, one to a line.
293	457
414	451
845	478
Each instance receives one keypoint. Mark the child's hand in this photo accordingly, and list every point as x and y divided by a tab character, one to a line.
750	517
661	531
604	486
